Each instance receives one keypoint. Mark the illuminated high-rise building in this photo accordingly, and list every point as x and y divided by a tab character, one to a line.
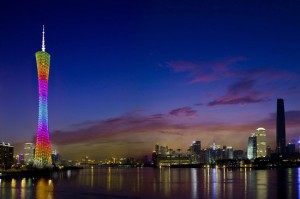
229	152
42	156
257	145
195	150
6	155
280	127
196	147
28	153
251	149
261	144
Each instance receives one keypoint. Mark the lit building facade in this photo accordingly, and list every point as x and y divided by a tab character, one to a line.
229	152
163	156
28	153
257	144
291	148
195	151
196	147
42	156
6	155
251	149
261	144
238	154
55	158
214	153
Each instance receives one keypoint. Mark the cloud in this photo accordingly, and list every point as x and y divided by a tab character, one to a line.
199	104
267	74
230	100
206	71
183	66
243	85
90	131
252	85
184	111
241	92
107	128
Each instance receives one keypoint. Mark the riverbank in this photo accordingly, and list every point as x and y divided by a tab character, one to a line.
34	172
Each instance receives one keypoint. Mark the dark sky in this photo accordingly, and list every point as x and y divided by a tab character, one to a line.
126	75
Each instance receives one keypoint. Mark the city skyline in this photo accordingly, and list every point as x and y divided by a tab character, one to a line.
127	76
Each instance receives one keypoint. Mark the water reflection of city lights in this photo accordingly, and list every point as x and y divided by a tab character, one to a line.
245	180
92	176
194	183
298	182
29	183
165	179
290	180
13	186
262	183
13	183
23	188
229	185
68	173
214	183
44	189
108	182
138	180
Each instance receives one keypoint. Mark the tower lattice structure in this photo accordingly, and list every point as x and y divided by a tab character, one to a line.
42	157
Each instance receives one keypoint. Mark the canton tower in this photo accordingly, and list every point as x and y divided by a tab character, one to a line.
42	157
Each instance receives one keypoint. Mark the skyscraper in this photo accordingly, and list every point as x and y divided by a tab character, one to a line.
257	145
261	144
195	151
280	127
196	147
229	152
42	156
28	153
251	150
6	155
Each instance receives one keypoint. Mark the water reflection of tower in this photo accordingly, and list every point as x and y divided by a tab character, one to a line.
280	127
44	188
43	151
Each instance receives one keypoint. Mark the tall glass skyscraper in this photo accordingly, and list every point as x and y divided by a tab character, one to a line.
42	156
257	144
251	149
280	127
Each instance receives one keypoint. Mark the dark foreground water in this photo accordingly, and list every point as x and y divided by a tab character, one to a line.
157	183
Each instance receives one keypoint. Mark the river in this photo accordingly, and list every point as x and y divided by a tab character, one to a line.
157	183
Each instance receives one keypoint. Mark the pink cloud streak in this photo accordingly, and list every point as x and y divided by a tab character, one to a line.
206	71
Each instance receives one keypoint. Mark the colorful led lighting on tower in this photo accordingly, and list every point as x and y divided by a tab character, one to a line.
42	156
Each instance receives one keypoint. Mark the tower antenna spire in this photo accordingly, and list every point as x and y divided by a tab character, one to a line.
43	41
